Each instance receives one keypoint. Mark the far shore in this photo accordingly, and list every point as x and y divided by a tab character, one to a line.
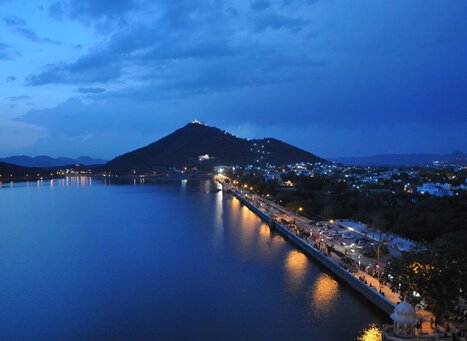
156	177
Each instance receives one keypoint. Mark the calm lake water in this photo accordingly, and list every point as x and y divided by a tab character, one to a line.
88	260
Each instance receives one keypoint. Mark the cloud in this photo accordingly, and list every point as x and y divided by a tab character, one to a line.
278	21
32	36
91	90
94	67
286	3
232	11
339	64
260	5
101	8
18	98
89	11
57	10
14	21
18	26
10	78
74	118
4	51
190	44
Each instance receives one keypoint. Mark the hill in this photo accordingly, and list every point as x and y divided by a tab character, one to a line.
47	161
456	158
7	169
197	144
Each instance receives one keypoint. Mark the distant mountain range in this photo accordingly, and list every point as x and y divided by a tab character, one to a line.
457	158
48	162
197	144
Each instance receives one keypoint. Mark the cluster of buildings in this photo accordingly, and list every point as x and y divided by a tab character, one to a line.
415	180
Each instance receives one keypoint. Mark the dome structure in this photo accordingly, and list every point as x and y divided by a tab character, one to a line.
404	313
405	319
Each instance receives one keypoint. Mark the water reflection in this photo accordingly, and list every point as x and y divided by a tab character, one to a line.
80	181
231	247
254	238
246	231
295	268
265	232
184	182
218	221
372	333
323	296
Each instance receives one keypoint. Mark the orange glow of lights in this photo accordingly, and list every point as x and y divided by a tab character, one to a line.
295	267
372	333
324	294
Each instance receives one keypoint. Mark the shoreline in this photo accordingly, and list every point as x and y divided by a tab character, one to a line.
175	177
369	293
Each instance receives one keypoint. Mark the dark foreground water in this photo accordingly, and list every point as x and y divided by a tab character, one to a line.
81	259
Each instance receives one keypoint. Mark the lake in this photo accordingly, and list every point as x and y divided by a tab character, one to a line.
87	259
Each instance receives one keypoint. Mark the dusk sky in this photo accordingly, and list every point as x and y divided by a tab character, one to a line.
335	77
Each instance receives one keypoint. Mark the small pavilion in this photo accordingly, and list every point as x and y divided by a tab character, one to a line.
405	320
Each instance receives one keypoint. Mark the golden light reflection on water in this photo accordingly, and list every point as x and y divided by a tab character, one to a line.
246	231
295	268
268	243
75	181
372	333
324	295
265	232
255	240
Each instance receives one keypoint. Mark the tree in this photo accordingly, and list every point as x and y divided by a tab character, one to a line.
435	274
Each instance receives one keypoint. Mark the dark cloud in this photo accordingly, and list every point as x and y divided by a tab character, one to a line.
260	5
185	33
338	70
32	36
14	21
10	78
91	90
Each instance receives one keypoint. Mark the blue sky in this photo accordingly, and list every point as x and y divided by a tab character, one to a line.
335	77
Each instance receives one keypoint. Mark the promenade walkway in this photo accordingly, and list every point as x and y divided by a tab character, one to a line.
265	205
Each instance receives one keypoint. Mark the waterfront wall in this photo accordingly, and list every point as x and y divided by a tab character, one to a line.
369	293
